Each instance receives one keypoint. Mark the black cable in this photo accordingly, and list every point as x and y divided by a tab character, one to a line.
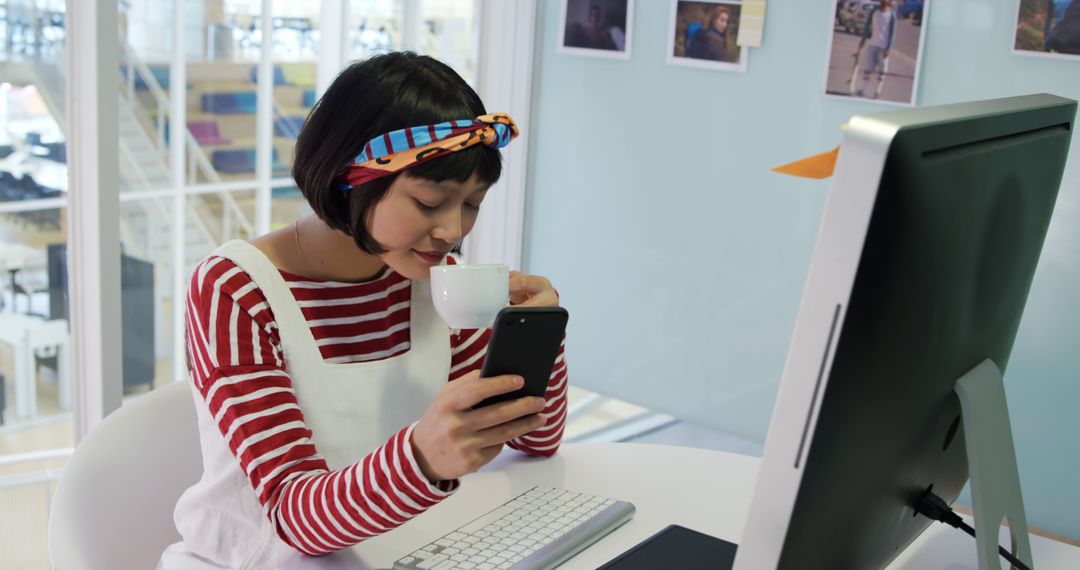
935	508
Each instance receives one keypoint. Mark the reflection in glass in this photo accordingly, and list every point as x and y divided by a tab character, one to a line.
35	342
450	34
35	372
444	29
376	26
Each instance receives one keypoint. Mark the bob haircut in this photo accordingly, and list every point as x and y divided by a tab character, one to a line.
369	98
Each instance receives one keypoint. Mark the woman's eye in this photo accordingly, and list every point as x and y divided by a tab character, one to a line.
427	207
474	207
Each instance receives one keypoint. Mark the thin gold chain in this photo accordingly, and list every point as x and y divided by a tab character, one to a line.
299	251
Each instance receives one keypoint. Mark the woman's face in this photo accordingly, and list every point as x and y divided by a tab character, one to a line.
721	22
419	221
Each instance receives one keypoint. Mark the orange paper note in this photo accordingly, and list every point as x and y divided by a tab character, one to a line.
818	166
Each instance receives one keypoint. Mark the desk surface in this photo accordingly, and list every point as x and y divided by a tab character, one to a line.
18	256
13	326
700	489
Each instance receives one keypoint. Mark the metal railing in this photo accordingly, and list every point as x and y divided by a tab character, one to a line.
198	164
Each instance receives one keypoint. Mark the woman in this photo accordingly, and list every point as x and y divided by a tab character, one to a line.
711	42
333	403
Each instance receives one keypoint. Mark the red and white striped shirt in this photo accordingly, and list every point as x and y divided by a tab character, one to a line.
238	366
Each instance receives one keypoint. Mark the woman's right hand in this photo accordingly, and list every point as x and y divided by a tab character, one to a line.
452	439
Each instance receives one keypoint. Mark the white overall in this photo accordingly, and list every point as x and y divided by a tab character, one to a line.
351	409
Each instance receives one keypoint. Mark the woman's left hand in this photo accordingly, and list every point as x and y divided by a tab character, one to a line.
532	291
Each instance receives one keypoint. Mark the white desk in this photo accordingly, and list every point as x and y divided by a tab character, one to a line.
701	489
26	335
16	257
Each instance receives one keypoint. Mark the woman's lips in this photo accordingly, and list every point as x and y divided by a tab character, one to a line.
432	257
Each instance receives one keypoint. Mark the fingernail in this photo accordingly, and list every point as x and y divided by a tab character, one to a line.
540	402
519	381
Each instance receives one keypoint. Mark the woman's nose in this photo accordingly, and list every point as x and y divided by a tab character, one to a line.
448	227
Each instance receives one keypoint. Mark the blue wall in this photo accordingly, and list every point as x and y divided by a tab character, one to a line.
682	258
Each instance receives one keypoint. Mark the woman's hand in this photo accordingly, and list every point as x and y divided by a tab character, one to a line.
532	291
452	439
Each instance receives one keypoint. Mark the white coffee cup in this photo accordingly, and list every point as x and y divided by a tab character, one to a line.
470	296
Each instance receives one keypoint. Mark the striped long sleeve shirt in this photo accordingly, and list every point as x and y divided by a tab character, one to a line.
238	366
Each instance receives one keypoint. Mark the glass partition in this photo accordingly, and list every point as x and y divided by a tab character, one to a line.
222	44
36	431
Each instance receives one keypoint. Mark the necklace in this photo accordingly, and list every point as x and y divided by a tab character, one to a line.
299	250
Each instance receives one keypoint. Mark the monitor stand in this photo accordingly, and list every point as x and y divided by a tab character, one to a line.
995	480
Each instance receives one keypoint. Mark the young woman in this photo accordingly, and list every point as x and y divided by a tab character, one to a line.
712	41
334	404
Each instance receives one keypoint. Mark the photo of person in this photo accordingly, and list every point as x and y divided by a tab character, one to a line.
1048	28
598	28
875	50
703	34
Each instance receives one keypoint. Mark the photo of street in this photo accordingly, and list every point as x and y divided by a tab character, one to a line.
1048	28
875	49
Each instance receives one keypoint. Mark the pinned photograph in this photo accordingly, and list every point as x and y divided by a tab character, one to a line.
1048	28
597	28
875	50
704	34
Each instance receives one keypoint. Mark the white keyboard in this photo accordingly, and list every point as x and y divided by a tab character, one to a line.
540	528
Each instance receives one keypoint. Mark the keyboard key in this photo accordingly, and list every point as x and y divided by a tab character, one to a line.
431	562
486	519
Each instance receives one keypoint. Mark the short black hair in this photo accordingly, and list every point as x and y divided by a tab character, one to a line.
369	98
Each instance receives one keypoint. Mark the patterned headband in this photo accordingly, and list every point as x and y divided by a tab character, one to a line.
397	150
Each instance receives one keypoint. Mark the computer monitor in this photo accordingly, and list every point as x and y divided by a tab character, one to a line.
923	262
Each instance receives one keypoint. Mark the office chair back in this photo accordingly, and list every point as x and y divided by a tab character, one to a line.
136	300
114	503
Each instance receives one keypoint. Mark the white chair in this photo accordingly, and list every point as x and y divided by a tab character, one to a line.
113	506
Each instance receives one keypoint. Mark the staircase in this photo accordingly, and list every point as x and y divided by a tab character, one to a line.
146	200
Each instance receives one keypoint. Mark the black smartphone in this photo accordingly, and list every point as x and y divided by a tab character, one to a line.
524	341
